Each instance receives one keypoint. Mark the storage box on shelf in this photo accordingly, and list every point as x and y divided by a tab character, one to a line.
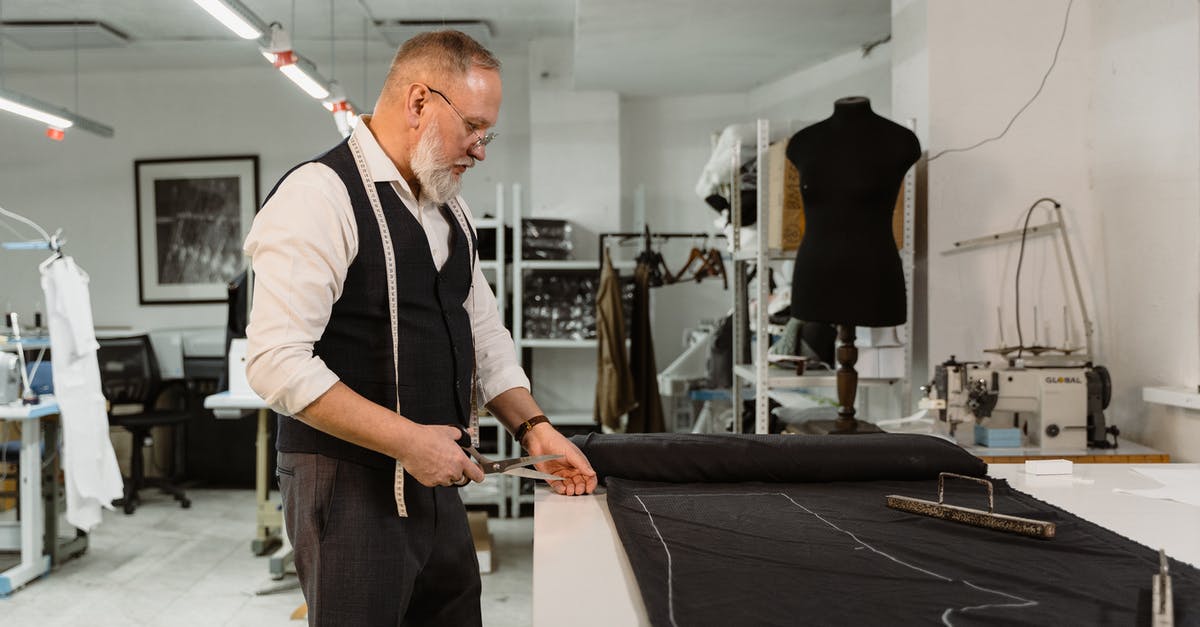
784	209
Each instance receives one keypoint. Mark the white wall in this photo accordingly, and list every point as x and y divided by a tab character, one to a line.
985	62
665	145
807	95
575	147
575	175
1114	137
1145	159
84	184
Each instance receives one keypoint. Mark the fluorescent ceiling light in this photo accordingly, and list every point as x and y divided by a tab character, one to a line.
299	70
304	75
234	16
48	114
48	119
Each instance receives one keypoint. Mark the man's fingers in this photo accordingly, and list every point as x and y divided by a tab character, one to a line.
576	459
474	472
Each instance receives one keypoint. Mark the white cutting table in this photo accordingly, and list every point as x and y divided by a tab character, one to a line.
268	529
581	576
26	533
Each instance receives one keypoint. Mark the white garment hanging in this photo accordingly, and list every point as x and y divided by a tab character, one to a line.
88	461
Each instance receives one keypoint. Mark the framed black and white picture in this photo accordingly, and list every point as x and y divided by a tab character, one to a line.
192	216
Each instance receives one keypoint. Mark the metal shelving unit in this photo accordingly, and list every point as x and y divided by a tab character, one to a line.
571	417
494	490
751	367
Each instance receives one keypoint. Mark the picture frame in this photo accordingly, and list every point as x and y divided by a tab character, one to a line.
192	216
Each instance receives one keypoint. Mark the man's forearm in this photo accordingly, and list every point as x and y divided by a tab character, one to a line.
343	413
514	406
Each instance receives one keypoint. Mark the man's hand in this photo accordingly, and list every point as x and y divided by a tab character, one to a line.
578	476
431	454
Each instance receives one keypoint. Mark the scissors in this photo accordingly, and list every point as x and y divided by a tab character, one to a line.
514	466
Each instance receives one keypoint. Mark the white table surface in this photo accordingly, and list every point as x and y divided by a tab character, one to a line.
582	577
46	406
229	400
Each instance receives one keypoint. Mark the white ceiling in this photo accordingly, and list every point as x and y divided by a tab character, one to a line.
636	47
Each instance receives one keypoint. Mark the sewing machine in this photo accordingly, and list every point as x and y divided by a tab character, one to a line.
1055	405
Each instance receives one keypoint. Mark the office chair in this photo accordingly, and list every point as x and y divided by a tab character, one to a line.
129	377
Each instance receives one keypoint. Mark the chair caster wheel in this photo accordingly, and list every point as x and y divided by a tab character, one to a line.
185	503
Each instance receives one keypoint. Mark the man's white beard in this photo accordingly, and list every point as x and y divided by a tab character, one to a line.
435	173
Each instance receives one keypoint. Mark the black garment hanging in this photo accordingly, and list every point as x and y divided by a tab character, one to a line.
647	417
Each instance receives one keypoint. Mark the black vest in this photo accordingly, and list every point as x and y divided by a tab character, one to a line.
436	350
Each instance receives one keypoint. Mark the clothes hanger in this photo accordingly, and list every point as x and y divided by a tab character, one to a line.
665	272
711	265
695	255
659	274
716	266
55	244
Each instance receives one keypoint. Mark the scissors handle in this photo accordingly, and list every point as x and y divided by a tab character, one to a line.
464	440
464	436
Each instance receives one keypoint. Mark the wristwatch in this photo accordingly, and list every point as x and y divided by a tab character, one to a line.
524	427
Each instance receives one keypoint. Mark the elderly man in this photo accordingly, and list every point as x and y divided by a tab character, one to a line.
372	324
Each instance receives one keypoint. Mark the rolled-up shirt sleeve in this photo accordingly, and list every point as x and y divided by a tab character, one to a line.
495	354
300	245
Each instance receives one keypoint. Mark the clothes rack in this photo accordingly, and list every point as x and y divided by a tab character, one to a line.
647	236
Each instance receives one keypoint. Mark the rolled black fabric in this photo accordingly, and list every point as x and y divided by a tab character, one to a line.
688	458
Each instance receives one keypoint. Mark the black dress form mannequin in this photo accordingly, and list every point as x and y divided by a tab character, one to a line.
848	271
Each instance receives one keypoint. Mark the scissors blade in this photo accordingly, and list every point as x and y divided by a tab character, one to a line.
503	465
532	474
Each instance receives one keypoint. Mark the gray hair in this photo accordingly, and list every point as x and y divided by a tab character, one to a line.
437	54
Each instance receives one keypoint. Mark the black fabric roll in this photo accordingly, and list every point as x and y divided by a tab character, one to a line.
688	458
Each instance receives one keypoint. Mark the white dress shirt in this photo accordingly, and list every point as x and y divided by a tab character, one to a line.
301	245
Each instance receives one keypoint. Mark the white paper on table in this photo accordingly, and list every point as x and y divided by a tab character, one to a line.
1179	484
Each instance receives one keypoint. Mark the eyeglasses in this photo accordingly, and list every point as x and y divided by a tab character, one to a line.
480	140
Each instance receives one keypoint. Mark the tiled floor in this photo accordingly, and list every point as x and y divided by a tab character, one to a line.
165	566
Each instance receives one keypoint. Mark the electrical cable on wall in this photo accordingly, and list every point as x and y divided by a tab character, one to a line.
1053	62
1020	259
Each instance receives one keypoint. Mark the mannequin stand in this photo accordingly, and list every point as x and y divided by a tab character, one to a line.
847	388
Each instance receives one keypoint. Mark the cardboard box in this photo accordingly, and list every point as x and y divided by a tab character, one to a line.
785	203
156	459
10	472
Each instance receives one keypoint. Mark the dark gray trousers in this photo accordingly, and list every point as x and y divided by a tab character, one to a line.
361	564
